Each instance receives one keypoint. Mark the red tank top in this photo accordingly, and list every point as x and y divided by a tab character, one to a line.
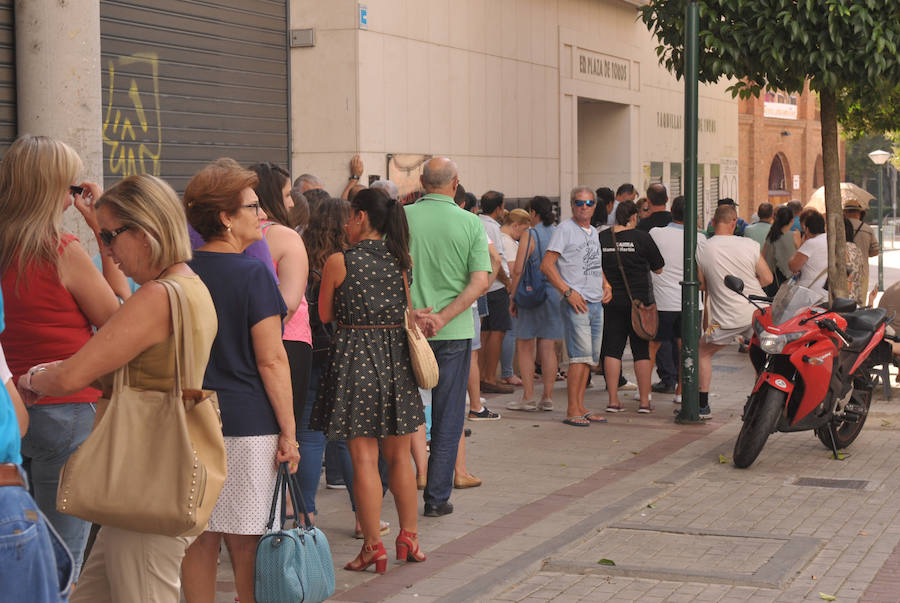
43	322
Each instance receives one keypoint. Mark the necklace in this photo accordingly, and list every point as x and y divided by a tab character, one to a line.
163	271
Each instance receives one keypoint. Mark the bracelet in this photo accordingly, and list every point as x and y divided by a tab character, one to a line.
355	177
293	443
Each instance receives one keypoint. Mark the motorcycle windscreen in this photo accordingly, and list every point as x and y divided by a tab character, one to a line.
791	300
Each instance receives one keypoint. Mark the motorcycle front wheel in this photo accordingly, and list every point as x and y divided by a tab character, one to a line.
845	431
760	420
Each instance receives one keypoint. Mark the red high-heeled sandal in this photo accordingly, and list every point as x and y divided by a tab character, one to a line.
407	549
379	558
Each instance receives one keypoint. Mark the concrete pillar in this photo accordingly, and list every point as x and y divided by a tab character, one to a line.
59	81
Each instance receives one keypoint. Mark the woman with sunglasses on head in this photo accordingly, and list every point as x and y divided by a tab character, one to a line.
54	296
141	222
248	368
368	395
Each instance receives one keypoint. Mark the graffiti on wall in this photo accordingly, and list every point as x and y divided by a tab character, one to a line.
132	130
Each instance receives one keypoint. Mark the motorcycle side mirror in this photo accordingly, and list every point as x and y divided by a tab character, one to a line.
734	283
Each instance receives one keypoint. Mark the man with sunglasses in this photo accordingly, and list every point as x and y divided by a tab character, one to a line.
572	265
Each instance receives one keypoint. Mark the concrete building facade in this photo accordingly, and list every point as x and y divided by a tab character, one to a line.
527	96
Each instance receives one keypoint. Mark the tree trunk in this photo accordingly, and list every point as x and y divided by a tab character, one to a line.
834	214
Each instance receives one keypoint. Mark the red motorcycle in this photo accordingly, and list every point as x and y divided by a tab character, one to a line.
813	367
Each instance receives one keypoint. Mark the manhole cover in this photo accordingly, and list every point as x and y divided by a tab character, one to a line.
667	553
824	482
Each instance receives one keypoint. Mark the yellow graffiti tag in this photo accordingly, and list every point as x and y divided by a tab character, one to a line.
134	150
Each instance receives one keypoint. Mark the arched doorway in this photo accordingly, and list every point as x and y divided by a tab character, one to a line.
778	180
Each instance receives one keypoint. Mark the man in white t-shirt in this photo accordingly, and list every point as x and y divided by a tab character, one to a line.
811	258
572	265
729	314
667	293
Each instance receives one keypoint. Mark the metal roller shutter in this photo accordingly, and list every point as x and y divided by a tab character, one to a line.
188	81
8	120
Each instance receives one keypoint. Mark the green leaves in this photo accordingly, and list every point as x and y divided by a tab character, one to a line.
606	561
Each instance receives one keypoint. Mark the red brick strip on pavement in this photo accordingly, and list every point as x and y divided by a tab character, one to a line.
402	577
885	587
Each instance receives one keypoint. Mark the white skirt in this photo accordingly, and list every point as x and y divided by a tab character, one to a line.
243	506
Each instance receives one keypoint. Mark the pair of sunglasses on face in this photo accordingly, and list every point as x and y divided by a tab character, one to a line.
580	203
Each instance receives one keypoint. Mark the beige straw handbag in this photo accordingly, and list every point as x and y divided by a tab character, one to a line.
424	364
155	461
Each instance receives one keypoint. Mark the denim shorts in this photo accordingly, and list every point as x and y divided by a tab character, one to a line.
583	332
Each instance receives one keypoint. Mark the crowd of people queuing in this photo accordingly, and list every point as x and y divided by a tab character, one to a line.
298	301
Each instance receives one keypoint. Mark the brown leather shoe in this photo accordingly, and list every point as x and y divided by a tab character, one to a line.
465	481
496	388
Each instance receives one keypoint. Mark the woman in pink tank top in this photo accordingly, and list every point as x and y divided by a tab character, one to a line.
292	267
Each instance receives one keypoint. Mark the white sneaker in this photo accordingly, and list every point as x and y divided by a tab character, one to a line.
527	405
677	399
636	395
628	386
545	404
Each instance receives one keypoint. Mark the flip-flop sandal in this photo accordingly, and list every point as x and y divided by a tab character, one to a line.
577	421
615	409
646	410
590	417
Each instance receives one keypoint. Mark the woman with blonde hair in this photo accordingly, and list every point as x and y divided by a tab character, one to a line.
54	296
515	222
143	229
248	368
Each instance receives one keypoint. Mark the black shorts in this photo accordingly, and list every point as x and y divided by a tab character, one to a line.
669	326
498	318
617	330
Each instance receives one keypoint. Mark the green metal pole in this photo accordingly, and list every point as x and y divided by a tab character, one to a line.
880	229
690	286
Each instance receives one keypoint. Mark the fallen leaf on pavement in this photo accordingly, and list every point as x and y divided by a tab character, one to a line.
724	459
886	423
840	456
605	561
651	506
827	597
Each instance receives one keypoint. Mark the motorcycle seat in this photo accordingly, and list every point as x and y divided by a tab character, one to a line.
865	320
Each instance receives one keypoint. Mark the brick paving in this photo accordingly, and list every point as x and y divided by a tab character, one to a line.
653	497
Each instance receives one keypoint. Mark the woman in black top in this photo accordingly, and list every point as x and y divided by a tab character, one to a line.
638	255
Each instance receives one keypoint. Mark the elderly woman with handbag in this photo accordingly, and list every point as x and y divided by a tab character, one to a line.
248	368
368	394
143	230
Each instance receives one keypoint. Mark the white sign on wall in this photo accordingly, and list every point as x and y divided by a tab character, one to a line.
796	182
728	178
780	110
601	68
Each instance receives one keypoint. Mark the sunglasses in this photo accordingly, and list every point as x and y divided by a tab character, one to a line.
580	203
107	237
76	190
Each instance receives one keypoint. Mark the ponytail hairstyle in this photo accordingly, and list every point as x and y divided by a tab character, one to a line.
783	217
543	208
388	218
271	182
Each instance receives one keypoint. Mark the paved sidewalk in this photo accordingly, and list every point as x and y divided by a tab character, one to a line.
654	498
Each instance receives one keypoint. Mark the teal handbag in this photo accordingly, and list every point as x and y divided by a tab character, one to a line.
292	565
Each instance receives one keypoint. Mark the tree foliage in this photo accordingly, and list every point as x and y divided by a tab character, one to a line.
865	111
845	49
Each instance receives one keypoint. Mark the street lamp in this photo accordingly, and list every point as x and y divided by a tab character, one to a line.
879	158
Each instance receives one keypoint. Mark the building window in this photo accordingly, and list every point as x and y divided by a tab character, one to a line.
656	172
713	183
777	184
701	197
675	180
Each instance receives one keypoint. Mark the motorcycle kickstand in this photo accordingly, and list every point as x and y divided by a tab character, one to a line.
834	449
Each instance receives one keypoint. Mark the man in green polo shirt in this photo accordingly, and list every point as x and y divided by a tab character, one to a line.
450	271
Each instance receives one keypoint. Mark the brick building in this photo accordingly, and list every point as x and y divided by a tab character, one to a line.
780	149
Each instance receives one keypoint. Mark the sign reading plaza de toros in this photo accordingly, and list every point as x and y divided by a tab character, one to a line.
601	68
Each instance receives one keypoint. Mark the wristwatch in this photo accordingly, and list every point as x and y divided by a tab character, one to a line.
568	293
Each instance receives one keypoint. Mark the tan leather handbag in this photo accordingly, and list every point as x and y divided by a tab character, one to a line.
644	317
424	364
155	461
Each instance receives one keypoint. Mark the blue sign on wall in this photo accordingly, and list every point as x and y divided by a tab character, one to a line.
363	16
